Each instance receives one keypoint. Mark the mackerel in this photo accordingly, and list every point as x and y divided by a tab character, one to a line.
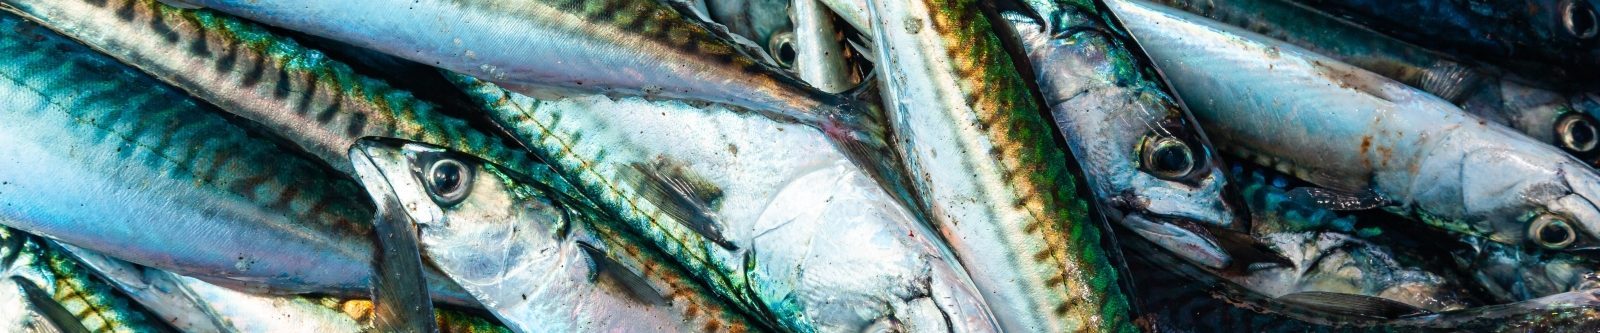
988	164
60	292
1367	141
767	214
105	158
314	101
536	263
195	306
619	47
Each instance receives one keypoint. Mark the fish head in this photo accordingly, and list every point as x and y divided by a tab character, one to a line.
461	204
1544	201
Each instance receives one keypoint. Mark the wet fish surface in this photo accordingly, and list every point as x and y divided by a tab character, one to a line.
46	290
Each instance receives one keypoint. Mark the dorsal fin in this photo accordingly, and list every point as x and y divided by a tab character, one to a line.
682	195
1351	304
51	316
608	271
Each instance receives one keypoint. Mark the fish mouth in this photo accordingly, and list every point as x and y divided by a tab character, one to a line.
1181	236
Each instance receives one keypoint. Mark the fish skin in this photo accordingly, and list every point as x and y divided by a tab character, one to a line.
629	47
1526	36
988	166
314	101
536	277
156	172
219	309
1353	131
1481	89
88	303
789	201
1109	104
819	49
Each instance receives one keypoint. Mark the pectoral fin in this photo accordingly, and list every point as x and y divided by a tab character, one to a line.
683	196
48	315
608	271
399	294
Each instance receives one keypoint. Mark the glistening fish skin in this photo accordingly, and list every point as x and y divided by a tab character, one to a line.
988	165
1147	163
298	93
1366	140
1547	39
635	47
537	264
47	278
102	157
195	306
1487	92
766	213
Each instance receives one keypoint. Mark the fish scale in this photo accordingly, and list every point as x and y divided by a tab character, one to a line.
94	304
137	169
320	104
982	112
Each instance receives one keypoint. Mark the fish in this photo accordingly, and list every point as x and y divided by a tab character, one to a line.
535	263
314	101
195	306
1553	116
1552	41
1148	164
987	162
1513	274
1332	252
819	49
106	158
767	214
42	289
766	21
1366	141
618	47
856	13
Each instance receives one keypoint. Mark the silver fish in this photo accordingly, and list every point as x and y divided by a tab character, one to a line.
988	164
819	52
1368	141
103	157
43	289
626	47
767	213
538	265
1145	159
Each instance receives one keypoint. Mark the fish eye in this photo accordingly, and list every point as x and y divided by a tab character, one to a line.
448	181
1577	133
1168	157
1552	232
782	48
1580	20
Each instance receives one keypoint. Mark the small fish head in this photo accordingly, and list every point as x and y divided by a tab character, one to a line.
462	205
1178	188
1544	201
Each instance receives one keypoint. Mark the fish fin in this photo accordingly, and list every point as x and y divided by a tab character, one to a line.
400	298
682	195
181	4
55	317
607	270
1337	200
1245	249
1351	304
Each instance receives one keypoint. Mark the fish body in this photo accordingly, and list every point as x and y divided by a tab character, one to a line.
1146	161
986	161
314	101
1485	91
766	213
535	263
168	182
819	49
1552	40
199	307
1368	141
46	290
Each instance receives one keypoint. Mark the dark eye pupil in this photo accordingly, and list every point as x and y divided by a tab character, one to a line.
1581	21
1174	158
446	178
1556	232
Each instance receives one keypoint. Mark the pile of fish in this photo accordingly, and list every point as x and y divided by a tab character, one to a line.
799	165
